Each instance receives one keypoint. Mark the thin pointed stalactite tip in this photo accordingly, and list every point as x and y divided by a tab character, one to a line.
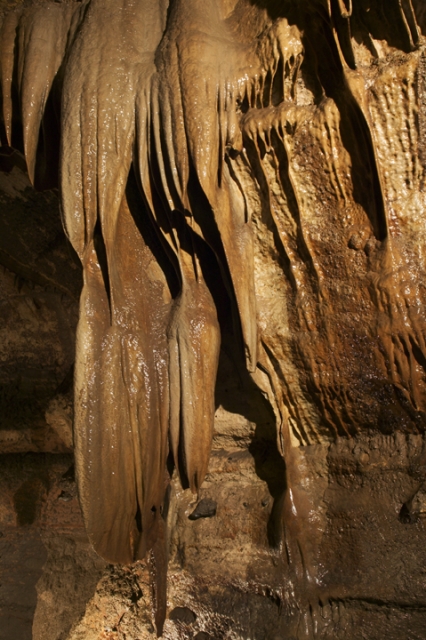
224	168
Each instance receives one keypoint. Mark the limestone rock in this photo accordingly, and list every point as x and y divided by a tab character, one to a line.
243	186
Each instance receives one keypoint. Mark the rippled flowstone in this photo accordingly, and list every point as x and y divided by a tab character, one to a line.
243	183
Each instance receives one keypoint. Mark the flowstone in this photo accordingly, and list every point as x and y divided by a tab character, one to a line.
241	180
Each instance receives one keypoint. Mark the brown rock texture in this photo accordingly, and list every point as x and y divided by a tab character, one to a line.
48	570
242	188
40	281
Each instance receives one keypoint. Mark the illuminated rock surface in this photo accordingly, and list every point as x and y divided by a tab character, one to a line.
244	184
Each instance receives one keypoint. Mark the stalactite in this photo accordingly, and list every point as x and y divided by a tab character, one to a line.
186	125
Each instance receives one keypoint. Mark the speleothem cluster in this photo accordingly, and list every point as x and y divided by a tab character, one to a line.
252	162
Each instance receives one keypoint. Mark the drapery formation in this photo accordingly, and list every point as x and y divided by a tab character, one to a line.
256	141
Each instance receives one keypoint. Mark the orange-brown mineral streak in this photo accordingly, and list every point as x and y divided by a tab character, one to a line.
42	39
121	381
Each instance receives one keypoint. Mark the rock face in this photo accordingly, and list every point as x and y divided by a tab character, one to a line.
243	183
40	281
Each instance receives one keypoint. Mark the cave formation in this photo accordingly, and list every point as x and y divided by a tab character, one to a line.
243	168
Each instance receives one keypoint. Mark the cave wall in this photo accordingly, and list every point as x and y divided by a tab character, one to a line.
291	178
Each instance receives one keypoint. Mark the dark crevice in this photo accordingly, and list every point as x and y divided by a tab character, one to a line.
249	402
48	149
418	354
100	248
267	219
356	137
292	204
277	91
181	461
204	217
327	60
66	386
411	20
138	519
266	98
343	28
148	229
385	20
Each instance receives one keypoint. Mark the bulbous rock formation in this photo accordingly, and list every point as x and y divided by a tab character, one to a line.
247	162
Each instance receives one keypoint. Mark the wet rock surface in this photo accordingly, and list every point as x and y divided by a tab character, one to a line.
48	570
311	519
226	579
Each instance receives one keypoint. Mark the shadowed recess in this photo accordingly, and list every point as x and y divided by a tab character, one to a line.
179	133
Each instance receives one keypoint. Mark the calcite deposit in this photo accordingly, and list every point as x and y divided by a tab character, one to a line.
243	182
